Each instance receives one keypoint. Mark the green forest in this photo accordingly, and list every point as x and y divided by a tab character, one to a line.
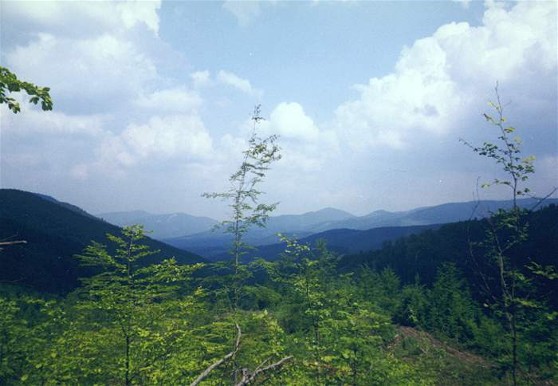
415	312
471	303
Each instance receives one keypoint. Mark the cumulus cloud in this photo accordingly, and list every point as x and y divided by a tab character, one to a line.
237	82
106	87
436	83
170	136
80	18
94	74
134	12
32	122
305	147
290	121
170	101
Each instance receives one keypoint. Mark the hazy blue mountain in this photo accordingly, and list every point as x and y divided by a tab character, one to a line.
215	244
307	222
54	233
161	226
439	214
342	241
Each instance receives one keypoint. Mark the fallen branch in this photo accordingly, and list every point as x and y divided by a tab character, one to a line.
13	242
248	376
211	367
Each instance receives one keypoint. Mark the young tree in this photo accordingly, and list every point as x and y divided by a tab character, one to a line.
338	334
247	211
128	317
506	231
243	197
10	83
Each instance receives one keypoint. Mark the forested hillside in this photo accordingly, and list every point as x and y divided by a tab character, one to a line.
53	233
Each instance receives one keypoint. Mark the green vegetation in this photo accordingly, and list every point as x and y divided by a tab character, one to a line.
243	197
9	83
331	322
470	303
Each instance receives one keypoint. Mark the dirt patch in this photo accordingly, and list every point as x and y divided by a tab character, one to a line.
463	356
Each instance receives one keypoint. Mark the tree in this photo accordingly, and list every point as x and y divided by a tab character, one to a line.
338	333
9	83
451	311
509	289
244	199
128	319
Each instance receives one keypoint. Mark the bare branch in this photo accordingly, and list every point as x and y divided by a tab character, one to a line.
214	365
541	200
13	242
248	377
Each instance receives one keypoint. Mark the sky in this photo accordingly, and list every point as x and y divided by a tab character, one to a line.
152	100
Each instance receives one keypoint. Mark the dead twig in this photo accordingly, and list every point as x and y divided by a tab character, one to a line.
218	363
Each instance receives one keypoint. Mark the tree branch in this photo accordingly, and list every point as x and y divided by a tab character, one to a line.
214	365
248	377
13	242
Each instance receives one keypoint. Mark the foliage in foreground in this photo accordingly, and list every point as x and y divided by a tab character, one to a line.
132	325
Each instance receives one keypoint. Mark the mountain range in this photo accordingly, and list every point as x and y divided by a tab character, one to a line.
55	231
161	226
214	244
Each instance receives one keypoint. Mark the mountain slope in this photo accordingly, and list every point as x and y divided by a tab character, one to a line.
419	255
54	232
162	226
343	241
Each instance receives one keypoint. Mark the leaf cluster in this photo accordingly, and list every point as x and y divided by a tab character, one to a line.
507	152
10	83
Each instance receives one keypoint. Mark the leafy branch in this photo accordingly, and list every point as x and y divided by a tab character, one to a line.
507	154
9	83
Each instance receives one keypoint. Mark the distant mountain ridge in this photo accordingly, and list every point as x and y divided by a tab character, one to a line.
437	214
55	232
342	241
214	244
161	226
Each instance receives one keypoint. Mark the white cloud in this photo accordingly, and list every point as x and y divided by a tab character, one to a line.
237	82
244	11
168	137
33	121
109	69
175	100
289	120
200	78
140	11
96	74
82	18
305	147
172	139
438	81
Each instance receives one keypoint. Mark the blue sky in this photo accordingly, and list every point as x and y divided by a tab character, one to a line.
370	98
